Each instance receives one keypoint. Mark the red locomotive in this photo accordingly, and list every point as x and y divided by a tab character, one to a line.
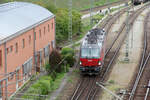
92	52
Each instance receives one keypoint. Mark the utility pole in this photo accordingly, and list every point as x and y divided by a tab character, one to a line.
127	39
132	6
70	21
55	3
110	92
108	7
91	16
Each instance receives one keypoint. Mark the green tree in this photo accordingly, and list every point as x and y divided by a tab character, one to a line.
62	24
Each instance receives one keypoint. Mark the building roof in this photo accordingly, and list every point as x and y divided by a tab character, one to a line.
19	17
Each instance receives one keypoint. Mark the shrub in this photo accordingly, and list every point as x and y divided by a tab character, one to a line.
48	68
54	60
45	86
68	54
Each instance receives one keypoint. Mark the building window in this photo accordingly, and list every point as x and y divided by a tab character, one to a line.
27	67
44	30
48	27
11	76
29	39
0	57
40	33
16	47
46	51
23	43
52	25
11	48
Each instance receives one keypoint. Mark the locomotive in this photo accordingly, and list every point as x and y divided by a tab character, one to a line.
138	1
92	52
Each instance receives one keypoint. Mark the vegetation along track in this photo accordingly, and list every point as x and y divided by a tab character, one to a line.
86	11
83	90
138	91
115	49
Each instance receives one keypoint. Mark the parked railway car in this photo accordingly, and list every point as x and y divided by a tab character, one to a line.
92	51
135	2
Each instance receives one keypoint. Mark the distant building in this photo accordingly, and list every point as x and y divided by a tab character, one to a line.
27	36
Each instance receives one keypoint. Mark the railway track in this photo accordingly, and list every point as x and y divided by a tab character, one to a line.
91	92
131	21
80	88
138	91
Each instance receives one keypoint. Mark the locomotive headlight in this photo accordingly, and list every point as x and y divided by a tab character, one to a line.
99	63
80	63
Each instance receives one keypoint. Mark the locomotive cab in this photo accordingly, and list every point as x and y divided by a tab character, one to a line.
92	52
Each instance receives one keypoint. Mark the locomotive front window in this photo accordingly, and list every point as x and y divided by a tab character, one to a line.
90	53
84	52
95	52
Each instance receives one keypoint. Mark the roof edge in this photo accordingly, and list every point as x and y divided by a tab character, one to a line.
24	30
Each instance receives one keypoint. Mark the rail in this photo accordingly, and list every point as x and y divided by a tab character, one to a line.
142	64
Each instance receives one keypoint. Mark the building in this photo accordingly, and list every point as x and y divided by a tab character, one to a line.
27	36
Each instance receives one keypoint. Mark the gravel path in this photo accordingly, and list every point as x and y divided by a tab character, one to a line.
63	83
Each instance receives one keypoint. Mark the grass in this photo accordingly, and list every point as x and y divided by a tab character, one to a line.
77	4
111	81
44	86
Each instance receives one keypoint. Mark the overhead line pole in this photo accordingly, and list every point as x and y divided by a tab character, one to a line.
55	3
70	22
127	39
91	16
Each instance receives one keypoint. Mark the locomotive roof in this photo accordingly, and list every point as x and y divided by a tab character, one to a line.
95	38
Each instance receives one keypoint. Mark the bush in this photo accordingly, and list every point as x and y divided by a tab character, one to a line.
42	86
54	60
45	86
68	54
48	68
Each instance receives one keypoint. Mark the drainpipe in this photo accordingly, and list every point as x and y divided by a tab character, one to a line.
6	80
55	33
34	64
